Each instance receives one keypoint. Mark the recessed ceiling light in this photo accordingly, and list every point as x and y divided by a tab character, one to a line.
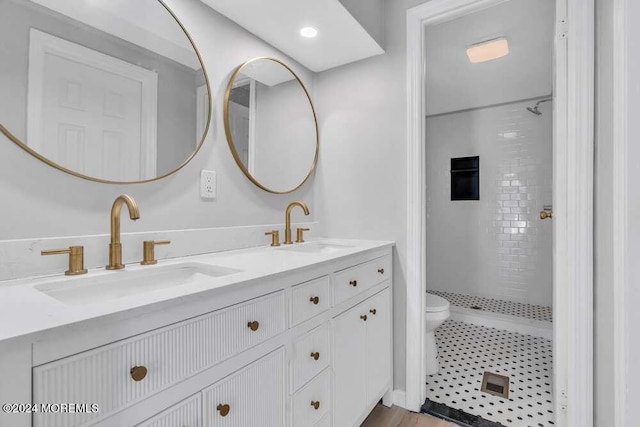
308	32
488	50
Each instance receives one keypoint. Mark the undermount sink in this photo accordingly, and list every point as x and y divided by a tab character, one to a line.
315	247
110	286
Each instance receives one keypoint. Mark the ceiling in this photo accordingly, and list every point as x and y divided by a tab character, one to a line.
454	83
341	39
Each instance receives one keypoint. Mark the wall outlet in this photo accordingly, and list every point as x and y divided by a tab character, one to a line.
208	185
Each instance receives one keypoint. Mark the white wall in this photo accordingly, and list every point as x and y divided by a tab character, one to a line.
40	201
361	180
632	291
495	247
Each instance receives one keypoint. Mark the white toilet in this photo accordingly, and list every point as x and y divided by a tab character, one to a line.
437	311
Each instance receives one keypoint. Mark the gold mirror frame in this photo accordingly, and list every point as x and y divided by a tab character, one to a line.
40	157
227	126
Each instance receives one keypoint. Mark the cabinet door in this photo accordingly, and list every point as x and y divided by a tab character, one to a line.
379	347
251	397
349	366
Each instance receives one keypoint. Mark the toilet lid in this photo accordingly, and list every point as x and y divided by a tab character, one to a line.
436	303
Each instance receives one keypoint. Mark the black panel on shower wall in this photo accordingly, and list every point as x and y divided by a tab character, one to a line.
465	178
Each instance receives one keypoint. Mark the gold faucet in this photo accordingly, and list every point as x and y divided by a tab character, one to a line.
115	247
287	219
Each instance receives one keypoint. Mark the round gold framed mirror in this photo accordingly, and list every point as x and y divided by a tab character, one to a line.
271	125
109	91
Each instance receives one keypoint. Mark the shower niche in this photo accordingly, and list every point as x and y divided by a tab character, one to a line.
465	178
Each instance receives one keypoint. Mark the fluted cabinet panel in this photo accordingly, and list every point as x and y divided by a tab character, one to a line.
255	395
187	413
170	354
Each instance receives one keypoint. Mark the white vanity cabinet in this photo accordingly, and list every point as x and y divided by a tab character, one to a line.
305	348
361	357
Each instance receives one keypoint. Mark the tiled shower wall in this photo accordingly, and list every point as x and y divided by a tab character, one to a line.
495	247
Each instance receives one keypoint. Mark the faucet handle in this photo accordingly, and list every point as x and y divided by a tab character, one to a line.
149	253
275	237
76	259
300	234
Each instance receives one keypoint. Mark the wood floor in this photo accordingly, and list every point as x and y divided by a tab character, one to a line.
398	417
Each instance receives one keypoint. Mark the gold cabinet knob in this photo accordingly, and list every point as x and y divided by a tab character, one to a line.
315	355
76	259
381	270
149	251
253	325
223	409
546	214
275	237
353	283
138	373
373	311
315	404
364	317
314	300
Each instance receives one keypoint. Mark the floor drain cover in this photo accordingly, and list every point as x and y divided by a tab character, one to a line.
497	385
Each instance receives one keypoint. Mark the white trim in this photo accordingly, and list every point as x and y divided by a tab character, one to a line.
573	170
619	145
42	44
399	398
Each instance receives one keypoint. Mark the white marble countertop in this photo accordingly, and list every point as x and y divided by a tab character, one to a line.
24	310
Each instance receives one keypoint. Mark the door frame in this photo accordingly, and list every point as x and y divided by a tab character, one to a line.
41	44
573	199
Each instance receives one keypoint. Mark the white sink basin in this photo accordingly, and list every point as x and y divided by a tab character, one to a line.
110	286
315	247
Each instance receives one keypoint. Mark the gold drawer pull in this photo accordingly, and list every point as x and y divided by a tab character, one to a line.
364	317
315	404
315	355
373	311
353	283
381	270
314	300
253	325
224	409
138	373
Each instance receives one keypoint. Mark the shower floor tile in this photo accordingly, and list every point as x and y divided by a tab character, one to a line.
466	351
529	311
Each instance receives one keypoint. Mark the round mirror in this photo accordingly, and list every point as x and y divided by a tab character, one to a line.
271	125
108	90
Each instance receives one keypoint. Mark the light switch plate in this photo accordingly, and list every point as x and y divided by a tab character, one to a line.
208	185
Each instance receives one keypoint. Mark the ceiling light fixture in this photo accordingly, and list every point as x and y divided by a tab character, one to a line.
308	32
488	50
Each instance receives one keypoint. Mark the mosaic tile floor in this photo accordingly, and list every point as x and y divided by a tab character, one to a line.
536	312
467	350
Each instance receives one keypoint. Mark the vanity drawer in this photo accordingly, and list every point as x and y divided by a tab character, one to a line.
312	402
106	375
251	397
309	299
350	282
187	413
310	355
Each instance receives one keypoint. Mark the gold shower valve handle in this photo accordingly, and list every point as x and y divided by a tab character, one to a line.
275	237
546	214
149	253
76	259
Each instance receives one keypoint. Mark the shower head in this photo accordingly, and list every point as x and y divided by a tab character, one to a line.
535	110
